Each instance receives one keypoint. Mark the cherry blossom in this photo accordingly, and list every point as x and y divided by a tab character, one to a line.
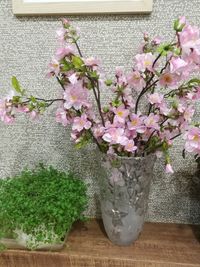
61	116
130	146
177	65
190	39
120	114
144	61
152	121
64	51
75	96
136	81
91	62
81	123
169	80
60	33
192	138
54	68
168	168
136	123
155	98
115	136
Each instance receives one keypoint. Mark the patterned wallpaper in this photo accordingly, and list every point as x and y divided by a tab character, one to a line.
26	45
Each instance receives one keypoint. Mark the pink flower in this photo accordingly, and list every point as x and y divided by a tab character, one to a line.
7	119
75	96
156	40
65	22
115	136
135	80
164	109
192	138
136	124
152	121
130	146
2	106
98	131
23	109
177	65
190	39
121	77
91	62
168	168
120	114
34	115
54	68
61	116
61	33
155	98
64	51
182	21
194	95
119	71
169	80
144	61
197	94
188	113
73	78
81	123
6	112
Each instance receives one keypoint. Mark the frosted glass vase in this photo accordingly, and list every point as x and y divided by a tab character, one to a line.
124	191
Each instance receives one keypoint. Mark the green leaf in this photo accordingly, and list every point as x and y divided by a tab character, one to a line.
16	99
94	75
109	82
177	26
65	65
89	85
106	109
177	51
164	49
116	103
194	82
16	85
32	98
77	62
84	140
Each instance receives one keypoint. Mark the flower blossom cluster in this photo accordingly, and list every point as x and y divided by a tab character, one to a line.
160	76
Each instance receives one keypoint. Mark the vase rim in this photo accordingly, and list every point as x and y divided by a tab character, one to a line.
153	155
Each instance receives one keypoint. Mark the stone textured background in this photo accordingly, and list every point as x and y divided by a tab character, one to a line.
27	44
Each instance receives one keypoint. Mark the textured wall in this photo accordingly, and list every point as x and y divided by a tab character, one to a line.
26	45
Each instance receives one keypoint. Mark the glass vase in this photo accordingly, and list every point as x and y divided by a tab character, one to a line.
124	190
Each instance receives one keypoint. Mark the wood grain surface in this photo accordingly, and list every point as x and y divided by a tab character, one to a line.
159	245
20	7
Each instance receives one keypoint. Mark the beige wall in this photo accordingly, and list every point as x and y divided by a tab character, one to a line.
26	45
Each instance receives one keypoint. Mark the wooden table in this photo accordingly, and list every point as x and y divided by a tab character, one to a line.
160	245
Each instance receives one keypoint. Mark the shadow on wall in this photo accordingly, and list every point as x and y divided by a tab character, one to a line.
186	183
195	193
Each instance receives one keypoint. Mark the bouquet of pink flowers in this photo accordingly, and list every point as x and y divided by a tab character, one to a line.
160	76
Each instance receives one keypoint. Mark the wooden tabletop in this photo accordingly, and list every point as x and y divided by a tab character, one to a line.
159	245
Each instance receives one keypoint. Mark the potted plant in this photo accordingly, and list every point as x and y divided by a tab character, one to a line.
38	208
128	134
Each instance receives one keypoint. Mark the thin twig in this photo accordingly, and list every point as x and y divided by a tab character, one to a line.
44	100
60	83
78	48
145	89
175	136
94	85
